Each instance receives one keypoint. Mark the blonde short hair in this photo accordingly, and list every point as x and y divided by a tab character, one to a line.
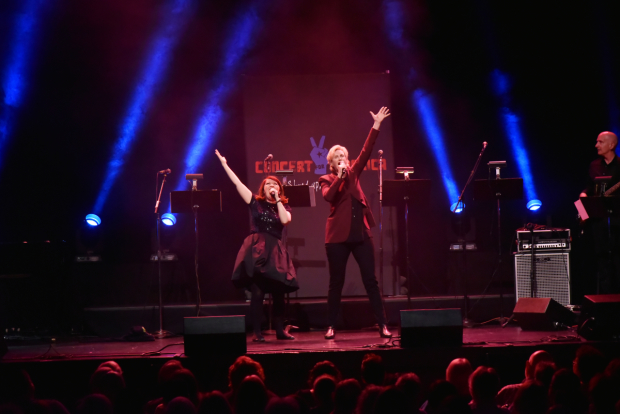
330	155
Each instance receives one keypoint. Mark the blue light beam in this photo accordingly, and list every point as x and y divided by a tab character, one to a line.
395	24
511	123
424	105
240	40
153	72
18	64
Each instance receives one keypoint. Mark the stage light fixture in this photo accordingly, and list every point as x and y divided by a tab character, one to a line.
93	220
534	205
455	209
168	219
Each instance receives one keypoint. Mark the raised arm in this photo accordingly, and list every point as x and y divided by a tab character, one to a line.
383	113
244	192
361	160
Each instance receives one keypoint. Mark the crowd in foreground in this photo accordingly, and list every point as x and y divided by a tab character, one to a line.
591	387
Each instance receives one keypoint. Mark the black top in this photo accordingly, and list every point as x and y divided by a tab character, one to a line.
265	218
358	230
599	168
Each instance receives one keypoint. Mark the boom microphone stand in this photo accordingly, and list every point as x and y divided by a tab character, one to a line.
466	321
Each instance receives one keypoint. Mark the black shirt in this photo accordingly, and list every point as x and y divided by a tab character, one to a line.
358	230
599	168
265	217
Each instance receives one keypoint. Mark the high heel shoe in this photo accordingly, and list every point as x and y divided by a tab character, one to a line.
383	331
330	334
285	336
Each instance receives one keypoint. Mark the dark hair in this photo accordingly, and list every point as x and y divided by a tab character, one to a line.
214	403
589	361
321	368
346	394
531	398
373	369
368	399
391	400
323	389
261	189
241	368
544	373
181	384
252	396
484	384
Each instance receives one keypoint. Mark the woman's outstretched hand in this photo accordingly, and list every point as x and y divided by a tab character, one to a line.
222	159
383	113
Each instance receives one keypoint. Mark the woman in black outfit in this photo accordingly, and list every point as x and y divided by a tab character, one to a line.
263	264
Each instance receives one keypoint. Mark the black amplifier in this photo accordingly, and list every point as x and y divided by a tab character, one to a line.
545	239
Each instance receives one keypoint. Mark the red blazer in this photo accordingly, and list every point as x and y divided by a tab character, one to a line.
338	193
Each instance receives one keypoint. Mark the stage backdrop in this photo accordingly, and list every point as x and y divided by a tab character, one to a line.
298	119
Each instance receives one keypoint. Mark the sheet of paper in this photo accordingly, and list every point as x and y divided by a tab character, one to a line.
582	211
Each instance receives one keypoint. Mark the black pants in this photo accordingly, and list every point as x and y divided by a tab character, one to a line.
256	305
607	252
364	254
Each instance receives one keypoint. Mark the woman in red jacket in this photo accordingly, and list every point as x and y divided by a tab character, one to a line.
348	227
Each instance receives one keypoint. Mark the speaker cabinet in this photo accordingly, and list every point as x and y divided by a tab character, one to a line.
3	347
541	314
600	317
209	336
552	276
428	327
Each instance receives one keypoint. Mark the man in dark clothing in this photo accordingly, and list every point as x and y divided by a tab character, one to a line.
606	233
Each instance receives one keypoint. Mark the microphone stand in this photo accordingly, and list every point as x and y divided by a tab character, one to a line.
381	222
160	334
467	323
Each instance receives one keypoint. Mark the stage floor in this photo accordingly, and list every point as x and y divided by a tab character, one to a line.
491	335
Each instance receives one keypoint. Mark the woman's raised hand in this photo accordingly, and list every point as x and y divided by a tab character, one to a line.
383	113
222	159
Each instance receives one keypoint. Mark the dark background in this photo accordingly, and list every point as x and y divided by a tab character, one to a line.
562	59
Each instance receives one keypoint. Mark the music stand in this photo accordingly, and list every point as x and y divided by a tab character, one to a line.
499	189
604	207
196	201
300	195
402	192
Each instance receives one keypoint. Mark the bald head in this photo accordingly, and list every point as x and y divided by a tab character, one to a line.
606	143
458	373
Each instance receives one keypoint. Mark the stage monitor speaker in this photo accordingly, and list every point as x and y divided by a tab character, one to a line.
431	327
552	276
209	336
600	317
541	314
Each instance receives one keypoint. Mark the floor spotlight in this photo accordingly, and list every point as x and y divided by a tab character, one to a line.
534	205
457	209
168	219
93	220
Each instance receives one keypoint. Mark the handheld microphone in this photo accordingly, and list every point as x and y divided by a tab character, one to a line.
268	157
344	171
484	144
380	152
167	171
